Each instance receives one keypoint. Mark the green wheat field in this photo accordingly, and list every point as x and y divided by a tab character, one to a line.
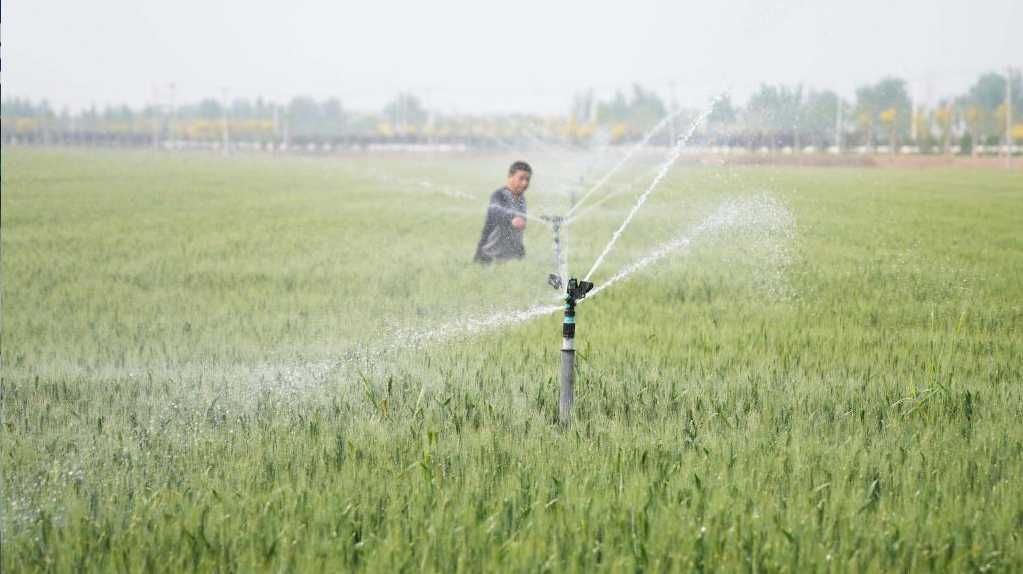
258	363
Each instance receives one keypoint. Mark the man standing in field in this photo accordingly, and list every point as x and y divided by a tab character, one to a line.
506	218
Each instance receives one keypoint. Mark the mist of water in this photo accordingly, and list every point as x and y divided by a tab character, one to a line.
625	160
759	219
763	217
661	174
624	189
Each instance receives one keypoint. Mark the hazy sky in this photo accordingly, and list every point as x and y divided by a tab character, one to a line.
475	56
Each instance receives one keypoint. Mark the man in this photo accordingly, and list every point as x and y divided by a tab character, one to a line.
506	218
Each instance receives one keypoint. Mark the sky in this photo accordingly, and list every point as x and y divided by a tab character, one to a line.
472	56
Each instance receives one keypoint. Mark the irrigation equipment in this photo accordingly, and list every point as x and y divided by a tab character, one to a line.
576	291
555	278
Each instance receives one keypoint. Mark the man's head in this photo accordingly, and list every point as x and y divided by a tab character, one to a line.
518	177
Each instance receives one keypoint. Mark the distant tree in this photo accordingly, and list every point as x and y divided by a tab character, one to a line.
889	118
580	127
118	113
987	95
722	112
888	97
974	116
923	129
893	99
242	109
333	116
261	108
44	110
638	113
19	108
944	118
209	109
41	113
1017	94
151	111
646	108
721	122
615	110
988	92
362	123
303	117
867	109
90	118
776	111
760	112
582	107
818	116
405	111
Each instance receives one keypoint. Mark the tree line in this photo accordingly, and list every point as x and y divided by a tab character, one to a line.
881	114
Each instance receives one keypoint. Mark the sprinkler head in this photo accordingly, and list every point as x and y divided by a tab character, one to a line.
554	280
578	289
554	220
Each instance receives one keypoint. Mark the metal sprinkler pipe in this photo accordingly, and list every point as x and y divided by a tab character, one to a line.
555	221
576	290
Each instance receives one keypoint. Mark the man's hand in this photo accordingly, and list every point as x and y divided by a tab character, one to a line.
519	223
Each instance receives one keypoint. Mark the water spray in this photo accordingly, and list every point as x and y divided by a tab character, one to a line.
676	152
576	291
622	162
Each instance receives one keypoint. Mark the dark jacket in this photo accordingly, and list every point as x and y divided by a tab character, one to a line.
500	240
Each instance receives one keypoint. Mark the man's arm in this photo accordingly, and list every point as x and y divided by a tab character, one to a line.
519	217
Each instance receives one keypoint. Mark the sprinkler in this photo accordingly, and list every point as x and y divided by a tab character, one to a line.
576	290
554	279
